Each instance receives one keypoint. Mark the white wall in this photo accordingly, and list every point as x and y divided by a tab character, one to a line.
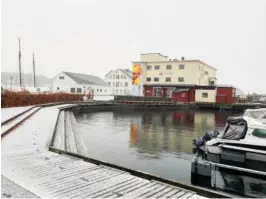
121	86
211	96
65	85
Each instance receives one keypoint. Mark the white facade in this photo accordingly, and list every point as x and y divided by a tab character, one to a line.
120	81
64	83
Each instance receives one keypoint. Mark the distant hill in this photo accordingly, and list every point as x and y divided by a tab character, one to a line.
27	79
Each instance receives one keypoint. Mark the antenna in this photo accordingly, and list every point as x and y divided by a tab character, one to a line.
19	59
33	64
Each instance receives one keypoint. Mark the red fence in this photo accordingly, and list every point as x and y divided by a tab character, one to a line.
13	99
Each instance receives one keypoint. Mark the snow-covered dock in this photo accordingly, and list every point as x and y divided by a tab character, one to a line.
27	162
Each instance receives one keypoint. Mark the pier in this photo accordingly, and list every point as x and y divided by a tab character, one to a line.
40	155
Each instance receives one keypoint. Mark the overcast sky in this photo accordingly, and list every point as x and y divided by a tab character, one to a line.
95	36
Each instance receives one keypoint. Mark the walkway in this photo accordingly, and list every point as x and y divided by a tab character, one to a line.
27	162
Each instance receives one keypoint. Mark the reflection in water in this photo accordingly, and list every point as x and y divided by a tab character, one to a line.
157	142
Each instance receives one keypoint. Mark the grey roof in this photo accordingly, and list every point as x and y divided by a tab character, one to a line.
127	72
86	79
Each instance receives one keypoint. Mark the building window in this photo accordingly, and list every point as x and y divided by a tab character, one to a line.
61	77
126	84
156	79
204	95
206	73
117	76
109	83
117	84
97	90
168	67
100	90
113	84
148	79
121	84
181	66
157	67
78	90
105	90
168	79
180	79
121	91
72	90
149	67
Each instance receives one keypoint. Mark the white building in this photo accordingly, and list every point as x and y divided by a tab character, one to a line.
120	81
80	84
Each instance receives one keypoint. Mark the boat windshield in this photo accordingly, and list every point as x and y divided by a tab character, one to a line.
256	113
259	133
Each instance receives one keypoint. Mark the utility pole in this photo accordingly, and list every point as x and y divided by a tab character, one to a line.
11	81
33	64
19	63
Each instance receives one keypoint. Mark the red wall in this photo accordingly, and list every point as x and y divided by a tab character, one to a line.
181	97
225	95
148	91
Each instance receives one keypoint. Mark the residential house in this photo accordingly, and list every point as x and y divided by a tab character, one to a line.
120	81
80	84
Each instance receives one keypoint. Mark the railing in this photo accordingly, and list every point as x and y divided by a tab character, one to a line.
138	98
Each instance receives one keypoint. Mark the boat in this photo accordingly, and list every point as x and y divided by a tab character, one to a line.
242	142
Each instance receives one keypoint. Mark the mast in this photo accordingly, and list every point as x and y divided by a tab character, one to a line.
19	63
33	64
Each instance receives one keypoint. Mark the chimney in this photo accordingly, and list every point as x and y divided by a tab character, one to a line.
183	58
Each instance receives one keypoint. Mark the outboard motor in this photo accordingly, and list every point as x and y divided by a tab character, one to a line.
199	142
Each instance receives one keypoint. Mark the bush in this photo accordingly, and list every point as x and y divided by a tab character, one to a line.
14	99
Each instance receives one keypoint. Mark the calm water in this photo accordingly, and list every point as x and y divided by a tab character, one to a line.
159	143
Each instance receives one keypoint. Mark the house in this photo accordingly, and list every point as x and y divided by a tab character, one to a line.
157	75
120	81
76	83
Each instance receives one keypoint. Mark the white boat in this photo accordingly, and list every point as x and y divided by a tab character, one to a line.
243	140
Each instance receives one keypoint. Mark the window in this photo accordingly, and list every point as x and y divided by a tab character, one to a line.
259	133
109	83
57	88
157	67
126	84
72	90
122	76
117	84
113	84
180	79
148	79
121	84
61	77
168	79
149	67
206	73
204	95
121	91
181	66
117	76
97	90
100	90
78	90
168	67
105	90
156	79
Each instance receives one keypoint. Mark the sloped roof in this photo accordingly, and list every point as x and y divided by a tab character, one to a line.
127	72
86	79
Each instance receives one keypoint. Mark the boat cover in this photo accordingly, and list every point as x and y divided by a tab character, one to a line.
235	129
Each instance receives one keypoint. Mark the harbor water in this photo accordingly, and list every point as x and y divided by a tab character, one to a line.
156	142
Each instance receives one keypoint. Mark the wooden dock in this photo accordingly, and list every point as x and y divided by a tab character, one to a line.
27	161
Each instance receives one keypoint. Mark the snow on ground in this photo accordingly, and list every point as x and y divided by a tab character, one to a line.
7	113
12	190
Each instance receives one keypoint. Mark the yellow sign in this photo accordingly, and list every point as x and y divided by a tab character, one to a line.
137	71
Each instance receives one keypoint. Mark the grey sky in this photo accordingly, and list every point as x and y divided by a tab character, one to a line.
95	36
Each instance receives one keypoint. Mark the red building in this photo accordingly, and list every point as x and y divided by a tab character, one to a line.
187	93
